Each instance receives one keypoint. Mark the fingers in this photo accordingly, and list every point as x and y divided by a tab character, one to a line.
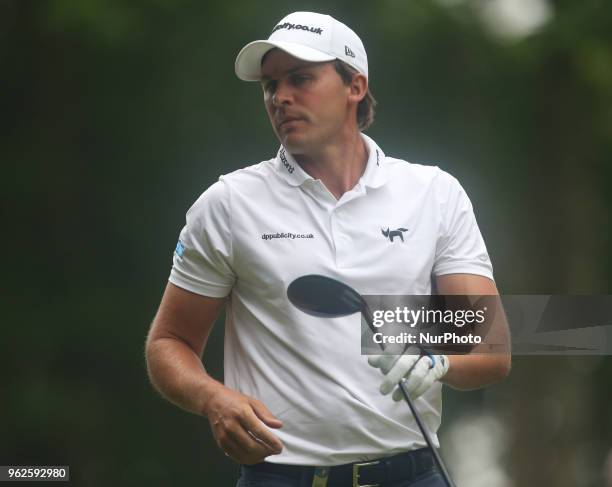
414	381
263	413
383	362
397	394
420	379
426	383
245	454
417	391
256	422
239	425
419	371
401	367
244	446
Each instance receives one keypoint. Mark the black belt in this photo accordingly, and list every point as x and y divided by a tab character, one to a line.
403	466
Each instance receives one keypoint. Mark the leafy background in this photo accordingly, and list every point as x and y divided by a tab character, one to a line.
116	115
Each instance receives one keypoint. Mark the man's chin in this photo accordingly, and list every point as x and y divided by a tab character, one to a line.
294	143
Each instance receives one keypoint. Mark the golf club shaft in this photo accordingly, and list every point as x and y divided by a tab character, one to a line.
368	317
426	435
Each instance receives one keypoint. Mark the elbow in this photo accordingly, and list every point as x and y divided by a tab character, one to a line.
151	356
149	352
503	367
150	367
148	356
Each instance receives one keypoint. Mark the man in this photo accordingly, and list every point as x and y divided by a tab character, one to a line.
297	395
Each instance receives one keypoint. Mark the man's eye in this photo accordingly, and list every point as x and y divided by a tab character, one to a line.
299	78
269	87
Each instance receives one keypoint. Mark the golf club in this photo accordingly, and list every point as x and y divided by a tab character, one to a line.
324	296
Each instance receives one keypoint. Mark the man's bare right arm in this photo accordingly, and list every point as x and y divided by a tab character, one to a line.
175	345
174	348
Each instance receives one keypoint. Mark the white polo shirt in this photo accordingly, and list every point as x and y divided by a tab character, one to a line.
257	229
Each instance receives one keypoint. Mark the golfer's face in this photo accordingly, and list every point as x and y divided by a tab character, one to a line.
307	102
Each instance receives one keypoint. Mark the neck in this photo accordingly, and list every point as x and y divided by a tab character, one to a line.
338	165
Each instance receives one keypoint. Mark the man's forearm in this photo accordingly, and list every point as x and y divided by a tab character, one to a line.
474	371
177	373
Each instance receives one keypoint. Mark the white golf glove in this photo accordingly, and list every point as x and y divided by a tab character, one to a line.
417	371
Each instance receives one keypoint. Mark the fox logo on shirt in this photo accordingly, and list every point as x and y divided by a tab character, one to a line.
391	234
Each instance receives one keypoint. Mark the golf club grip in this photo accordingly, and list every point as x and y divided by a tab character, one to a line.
426	435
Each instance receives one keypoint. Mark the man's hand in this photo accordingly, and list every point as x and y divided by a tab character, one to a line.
417	371
238	423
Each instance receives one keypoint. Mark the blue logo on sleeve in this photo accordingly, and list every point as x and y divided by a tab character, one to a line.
180	249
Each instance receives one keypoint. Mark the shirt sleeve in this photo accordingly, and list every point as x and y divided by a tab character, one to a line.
460	247
202	261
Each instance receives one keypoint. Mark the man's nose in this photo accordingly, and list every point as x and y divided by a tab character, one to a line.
283	94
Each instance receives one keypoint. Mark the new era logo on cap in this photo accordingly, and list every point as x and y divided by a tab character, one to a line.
308	36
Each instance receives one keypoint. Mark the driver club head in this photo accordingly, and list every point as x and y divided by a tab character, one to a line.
324	296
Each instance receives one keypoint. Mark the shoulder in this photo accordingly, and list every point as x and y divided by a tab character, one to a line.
241	180
419	174
249	175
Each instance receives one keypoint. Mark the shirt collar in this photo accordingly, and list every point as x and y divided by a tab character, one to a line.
288	168
374	176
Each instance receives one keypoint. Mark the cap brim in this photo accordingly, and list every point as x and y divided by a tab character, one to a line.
248	61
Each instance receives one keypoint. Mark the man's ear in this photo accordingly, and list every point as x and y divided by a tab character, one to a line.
358	87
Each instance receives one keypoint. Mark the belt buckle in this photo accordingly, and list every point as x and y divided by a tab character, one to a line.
356	467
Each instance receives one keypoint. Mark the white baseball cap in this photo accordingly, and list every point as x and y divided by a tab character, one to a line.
308	36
